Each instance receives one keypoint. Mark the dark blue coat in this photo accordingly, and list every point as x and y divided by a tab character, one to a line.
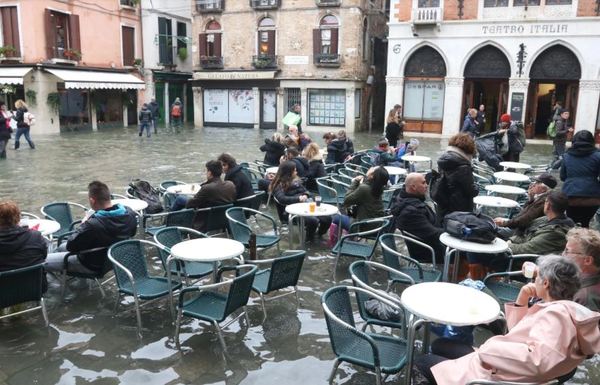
581	173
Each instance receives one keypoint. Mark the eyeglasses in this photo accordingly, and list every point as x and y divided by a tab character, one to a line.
569	252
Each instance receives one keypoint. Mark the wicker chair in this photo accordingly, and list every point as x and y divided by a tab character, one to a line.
181	218
241	231
23	285
61	212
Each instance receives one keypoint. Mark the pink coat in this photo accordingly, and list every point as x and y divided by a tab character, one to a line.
544	341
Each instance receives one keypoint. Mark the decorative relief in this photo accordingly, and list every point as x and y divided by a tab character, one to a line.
556	63
296	45
488	63
518	84
454	82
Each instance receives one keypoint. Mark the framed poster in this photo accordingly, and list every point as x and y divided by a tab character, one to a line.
216	105
241	106
516	105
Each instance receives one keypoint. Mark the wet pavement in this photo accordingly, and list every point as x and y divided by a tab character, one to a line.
87	344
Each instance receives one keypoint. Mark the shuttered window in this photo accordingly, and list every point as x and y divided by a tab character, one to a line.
10	29
63	36
128	36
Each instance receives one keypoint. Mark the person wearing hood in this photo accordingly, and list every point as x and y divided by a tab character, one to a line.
19	246
274	149
235	174
316	168
339	147
457	175
545	341
580	170
176	113
109	223
155	110
515	137
145	118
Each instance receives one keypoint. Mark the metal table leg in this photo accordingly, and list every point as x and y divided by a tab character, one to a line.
413	324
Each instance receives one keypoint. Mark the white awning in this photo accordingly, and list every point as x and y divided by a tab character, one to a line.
97	79
13	75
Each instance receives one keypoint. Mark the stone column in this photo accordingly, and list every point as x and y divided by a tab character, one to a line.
517	86
167	105
350	107
394	93
47	121
587	105
93	112
198	106
257	106
452	115
280	106
304	107
125	113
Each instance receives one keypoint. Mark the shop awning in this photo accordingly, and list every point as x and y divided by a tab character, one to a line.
13	75
97	79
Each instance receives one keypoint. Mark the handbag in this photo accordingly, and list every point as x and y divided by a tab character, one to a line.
470	227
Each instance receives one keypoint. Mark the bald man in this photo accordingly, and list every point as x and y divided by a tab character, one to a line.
413	215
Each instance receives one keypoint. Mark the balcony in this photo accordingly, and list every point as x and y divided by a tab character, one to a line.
129	3
427	16
265	4
328	3
264	62
327	60
210	6
211	62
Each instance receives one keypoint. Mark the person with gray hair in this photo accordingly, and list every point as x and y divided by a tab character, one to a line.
583	248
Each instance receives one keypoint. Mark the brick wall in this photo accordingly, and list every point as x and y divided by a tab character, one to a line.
403	10
586	8
469	11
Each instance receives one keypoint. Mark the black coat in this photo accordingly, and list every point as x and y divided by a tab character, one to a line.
316	169
154	109
273	152
392	133
20	117
214	192
461	186
21	247
4	130
243	186
302	167
339	150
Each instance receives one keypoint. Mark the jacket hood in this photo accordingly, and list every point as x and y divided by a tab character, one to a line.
561	221
582	148
586	322
451	160
14	239
234	170
405	199
274	145
337	144
302	160
117	217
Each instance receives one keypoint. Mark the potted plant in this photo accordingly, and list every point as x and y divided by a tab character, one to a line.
72	54
182	53
53	101
8	51
137	62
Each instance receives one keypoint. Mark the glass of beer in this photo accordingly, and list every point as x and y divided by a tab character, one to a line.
311	207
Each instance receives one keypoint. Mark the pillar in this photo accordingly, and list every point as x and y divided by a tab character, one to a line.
304	107
257	105
43	84
452	116
350	107
587	105
198	106
281	111
167	105
394	93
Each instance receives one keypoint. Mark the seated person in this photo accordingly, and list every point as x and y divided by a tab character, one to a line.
413	215
19	246
546	340
107	225
316	168
287	189
534	208
583	247
235	174
339	147
383	154
302	167
273	149
295	139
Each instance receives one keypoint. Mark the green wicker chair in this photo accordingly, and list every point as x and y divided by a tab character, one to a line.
212	304
380	353
254	176
181	218
504	289
98	252
252	202
283	272
27	215
240	230
168	237
23	285
164	185
215	220
417	271
62	212
129	264
340	183
327	192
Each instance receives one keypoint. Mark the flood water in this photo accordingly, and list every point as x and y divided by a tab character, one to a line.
87	344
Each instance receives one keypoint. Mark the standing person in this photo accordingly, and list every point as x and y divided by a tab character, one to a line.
176	114
235	174
563	128
515	135
470	125
155	110
394	126
558	106
145	118
481	118
580	171
23	124
5	129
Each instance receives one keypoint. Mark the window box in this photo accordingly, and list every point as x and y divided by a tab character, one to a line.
208	6
264	4
328	3
327	60
211	62
264	61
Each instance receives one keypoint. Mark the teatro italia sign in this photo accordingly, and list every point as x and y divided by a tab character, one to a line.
522	29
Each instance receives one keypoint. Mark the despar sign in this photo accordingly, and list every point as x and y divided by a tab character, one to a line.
518	29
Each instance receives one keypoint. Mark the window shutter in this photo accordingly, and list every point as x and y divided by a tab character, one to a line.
50	29
316	41
74	35
10	28
128	45
334	41
202	44
271	37
218	45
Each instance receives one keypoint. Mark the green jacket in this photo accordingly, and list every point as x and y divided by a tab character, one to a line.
543	237
367	206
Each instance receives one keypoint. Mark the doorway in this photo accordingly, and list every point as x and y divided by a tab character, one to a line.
542	98
493	94
268	109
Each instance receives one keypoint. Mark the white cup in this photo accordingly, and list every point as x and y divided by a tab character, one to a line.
529	269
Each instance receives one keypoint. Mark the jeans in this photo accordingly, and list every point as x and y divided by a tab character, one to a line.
155	124
179	203
559	149
345	220
175	121
55	264
25	132
146	126
3	144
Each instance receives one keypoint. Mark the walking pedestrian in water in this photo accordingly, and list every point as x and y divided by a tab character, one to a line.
145	118
176	113
153	107
563	128
5	129
24	121
394	129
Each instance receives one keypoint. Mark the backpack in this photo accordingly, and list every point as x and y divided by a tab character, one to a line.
551	130
176	110
521	134
438	188
143	190
29	119
470	227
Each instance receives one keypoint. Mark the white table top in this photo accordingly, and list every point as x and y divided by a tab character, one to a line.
134	204
184	189
497	246
511	176
492	201
450	303
515	165
395	170
302	210
272	170
207	249
416	158
505	189
44	226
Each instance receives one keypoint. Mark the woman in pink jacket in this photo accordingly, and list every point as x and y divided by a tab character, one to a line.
545	341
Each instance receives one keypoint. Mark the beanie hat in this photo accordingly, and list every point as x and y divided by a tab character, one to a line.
505	118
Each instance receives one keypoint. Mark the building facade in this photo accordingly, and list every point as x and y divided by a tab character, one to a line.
74	63
167	63
515	56
253	60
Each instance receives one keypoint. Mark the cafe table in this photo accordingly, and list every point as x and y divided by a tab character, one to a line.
392	170
136	205
184	189
302	210
45	226
493	201
447	304
505	189
506	176
515	166
417	159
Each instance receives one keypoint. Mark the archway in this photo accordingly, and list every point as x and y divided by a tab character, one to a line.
486	83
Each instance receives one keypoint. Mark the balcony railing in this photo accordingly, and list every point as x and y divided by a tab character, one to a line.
211	62
207	6
327	60
425	16
264	61
328	3
265	4
129	3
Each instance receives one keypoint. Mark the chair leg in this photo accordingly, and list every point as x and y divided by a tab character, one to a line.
245	309
117	302
63	285
100	287
138	315
336	364
262	304
297	296
177	326
378	375
44	312
221	339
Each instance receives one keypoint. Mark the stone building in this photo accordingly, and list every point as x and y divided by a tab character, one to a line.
255	59
73	62
516	56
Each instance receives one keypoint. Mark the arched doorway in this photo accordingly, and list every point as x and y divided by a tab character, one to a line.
554	77
486	82
424	90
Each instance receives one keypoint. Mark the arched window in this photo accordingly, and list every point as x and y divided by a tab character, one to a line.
266	37
424	86
325	41
210	46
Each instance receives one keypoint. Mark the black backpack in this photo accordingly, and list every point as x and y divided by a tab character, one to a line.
470	227
438	188
143	190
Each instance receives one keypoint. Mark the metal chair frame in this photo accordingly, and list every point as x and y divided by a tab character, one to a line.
69	205
25	214
93	276
164	217
257	214
41	304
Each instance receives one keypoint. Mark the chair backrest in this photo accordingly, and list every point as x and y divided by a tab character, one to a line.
59	212
285	270
340	187
27	215
164	185
236	217
251	202
170	236
326	192
239	291
359	271
181	218
214	217
21	285
130	255
168	200
389	258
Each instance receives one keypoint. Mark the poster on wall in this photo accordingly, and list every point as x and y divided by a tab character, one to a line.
516	105
269	107
241	106
433	100
413	98
216	106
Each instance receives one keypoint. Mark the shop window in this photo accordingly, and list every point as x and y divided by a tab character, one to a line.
165	41
62	35
128	44
210	46
109	108
327	107
424	100
526	3
74	111
429	3
9	32
495	3
558	2
325	41
181	37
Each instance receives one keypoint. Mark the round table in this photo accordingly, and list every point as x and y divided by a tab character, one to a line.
492	201
395	170
505	189
134	204
511	176
452	243
44	226
516	165
416	158
302	210
207	250
184	189
272	170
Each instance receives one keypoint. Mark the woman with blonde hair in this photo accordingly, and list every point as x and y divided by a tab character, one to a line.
22	116
273	149
316	169
395	125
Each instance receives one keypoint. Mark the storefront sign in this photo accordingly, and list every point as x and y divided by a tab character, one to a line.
520	29
295	60
234	75
516	106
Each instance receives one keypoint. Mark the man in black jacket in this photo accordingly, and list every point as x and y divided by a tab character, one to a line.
235	174
107	225
413	215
